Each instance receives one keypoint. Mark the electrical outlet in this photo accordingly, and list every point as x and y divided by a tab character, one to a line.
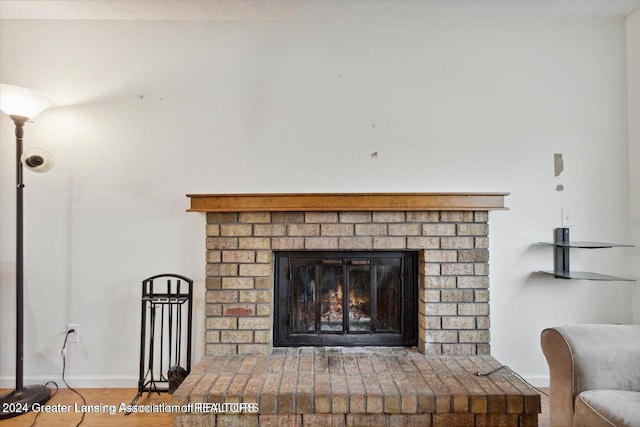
567	218
75	335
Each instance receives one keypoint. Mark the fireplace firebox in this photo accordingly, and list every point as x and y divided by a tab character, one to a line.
345	298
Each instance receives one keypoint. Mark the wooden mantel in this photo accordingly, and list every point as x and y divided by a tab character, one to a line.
297	202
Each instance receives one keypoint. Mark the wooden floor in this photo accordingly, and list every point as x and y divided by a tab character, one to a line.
103	400
104	397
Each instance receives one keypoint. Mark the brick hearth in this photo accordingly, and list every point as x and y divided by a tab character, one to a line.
358	386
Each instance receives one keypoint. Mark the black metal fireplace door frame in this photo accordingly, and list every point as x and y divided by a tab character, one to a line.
287	277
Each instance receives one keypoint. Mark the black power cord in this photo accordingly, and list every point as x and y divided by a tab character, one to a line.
485	374
54	393
64	361
63	353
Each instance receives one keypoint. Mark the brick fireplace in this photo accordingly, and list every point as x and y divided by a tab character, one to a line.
448	232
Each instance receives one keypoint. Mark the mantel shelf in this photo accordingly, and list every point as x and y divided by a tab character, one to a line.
297	202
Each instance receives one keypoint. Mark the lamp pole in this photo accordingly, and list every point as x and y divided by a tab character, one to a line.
19	121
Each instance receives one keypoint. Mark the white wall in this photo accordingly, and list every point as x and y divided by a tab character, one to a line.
150	111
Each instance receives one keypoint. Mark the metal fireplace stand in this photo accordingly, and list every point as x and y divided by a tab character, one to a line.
166	320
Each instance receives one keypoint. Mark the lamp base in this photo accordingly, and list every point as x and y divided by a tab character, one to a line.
18	402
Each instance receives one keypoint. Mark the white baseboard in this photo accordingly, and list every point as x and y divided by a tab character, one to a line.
76	381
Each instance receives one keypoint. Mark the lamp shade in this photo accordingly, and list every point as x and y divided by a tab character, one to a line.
18	101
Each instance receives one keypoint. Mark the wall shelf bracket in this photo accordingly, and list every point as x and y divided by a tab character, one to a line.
561	248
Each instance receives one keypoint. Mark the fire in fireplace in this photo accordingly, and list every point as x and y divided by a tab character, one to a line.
345	298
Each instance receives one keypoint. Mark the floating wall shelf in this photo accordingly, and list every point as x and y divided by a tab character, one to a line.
561	248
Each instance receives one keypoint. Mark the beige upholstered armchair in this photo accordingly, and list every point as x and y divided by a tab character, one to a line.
595	375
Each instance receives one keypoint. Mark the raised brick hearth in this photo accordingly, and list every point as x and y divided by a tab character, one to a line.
358	386
353	386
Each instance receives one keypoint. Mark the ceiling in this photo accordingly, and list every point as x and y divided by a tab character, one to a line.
226	10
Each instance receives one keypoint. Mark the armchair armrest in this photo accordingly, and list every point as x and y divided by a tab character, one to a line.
588	357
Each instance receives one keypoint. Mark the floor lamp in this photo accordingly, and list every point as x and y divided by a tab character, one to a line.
22	105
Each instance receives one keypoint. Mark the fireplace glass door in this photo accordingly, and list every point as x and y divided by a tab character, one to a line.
345	298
